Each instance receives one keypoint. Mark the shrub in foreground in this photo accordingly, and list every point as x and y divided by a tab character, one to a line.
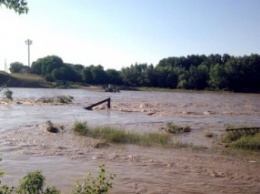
34	183
99	185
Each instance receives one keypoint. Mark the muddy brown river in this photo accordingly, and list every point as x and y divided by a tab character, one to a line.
25	144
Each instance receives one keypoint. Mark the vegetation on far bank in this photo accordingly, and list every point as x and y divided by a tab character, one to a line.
194	72
23	80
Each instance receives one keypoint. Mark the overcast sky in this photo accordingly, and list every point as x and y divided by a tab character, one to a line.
118	33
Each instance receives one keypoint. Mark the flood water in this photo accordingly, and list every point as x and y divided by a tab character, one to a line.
25	145
192	108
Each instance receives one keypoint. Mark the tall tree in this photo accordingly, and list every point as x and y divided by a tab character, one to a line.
113	77
87	75
46	65
16	67
99	75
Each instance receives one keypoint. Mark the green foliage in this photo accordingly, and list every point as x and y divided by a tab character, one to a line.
166	77
244	138
87	76
17	67
134	75
172	128
49	78
5	189
33	183
46	65
99	185
19	6
113	77
199	72
249	142
81	128
99	75
120	136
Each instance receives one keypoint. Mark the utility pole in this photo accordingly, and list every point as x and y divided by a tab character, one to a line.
5	66
28	42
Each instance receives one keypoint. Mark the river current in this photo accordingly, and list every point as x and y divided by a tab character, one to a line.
25	145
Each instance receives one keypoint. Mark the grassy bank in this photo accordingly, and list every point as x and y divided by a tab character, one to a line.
23	80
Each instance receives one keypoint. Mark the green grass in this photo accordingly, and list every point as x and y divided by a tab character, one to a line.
27	80
27	76
242	139
120	136
250	142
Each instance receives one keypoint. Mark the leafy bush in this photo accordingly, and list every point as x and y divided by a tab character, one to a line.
99	185
33	183
5	189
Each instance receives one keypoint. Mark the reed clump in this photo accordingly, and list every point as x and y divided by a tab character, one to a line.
120	136
242	138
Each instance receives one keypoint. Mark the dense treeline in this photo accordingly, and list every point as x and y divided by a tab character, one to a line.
199	72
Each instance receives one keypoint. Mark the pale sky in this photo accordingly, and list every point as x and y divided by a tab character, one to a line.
118	33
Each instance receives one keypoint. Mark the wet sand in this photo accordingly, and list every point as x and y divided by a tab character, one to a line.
203	168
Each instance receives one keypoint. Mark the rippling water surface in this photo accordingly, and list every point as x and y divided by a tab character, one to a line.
25	144
179	107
